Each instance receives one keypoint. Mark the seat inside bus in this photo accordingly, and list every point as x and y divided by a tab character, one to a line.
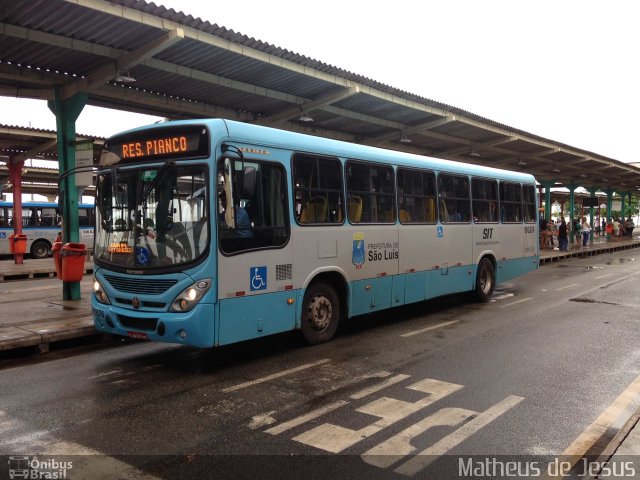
355	209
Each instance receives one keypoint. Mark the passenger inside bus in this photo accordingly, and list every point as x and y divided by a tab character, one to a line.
242	222
34	221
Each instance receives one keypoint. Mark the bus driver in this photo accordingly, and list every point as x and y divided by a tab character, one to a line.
243	224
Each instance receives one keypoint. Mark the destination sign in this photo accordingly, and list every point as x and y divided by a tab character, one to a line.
162	143
157	146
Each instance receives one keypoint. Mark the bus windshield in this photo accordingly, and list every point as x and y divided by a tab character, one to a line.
151	217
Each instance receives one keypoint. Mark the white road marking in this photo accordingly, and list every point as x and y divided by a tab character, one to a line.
318	412
395	448
275	375
433	327
515	303
262	420
312	415
604	276
88	463
105	374
425	457
376	388
333	438
495	298
567	286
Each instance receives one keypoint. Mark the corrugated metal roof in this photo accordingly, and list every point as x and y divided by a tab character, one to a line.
214	71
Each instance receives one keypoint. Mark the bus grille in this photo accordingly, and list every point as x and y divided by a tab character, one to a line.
140	285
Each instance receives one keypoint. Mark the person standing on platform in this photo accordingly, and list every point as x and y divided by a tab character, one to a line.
563	239
586	230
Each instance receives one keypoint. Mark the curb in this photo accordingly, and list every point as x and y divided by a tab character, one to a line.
614	444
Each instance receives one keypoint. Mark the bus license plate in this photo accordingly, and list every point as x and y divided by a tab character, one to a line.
138	335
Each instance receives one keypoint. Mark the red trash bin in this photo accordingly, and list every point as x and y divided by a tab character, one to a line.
57	259
72	255
18	244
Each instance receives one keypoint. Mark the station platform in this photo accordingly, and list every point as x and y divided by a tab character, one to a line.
35	316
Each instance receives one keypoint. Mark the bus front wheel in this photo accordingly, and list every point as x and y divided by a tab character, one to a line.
320	313
40	249
485	280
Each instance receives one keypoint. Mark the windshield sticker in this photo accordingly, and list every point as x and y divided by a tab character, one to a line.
357	257
142	256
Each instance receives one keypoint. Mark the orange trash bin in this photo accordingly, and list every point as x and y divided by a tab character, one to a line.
57	259
72	255
18	244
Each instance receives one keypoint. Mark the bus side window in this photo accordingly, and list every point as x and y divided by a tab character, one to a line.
317	189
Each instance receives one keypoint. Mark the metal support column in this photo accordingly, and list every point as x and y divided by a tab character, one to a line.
547	184
15	175
592	190
622	207
572	206
67	112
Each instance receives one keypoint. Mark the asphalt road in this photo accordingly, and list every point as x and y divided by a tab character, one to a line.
550	366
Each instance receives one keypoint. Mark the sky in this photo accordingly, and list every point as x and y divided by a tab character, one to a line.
564	70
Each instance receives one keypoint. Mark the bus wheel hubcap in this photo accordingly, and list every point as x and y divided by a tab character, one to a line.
320	312
485	281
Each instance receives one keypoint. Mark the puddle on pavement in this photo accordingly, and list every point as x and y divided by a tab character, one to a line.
591	300
618	261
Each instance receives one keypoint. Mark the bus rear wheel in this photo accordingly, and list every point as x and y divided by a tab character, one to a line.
40	249
485	280
320	313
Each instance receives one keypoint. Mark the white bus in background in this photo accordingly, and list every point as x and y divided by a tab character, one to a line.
41	222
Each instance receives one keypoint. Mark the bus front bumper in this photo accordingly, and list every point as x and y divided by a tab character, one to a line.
195	328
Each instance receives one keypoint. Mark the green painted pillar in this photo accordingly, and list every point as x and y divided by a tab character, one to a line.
622	206
67	112
609	206
572	205
547	184
592	190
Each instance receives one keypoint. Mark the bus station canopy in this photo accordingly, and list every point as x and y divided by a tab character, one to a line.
22	143
140	57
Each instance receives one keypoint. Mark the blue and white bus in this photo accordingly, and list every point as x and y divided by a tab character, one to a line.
41	222
211	232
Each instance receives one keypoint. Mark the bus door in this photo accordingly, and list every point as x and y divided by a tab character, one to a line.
254	252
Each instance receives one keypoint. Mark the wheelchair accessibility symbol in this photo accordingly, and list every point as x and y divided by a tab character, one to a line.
258	277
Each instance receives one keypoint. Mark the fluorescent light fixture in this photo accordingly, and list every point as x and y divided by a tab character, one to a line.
405	139
305	118
124	76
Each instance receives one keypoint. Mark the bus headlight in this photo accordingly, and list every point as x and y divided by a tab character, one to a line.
99	292
190	296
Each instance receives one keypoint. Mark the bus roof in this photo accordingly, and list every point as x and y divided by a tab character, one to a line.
307	143
266	136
